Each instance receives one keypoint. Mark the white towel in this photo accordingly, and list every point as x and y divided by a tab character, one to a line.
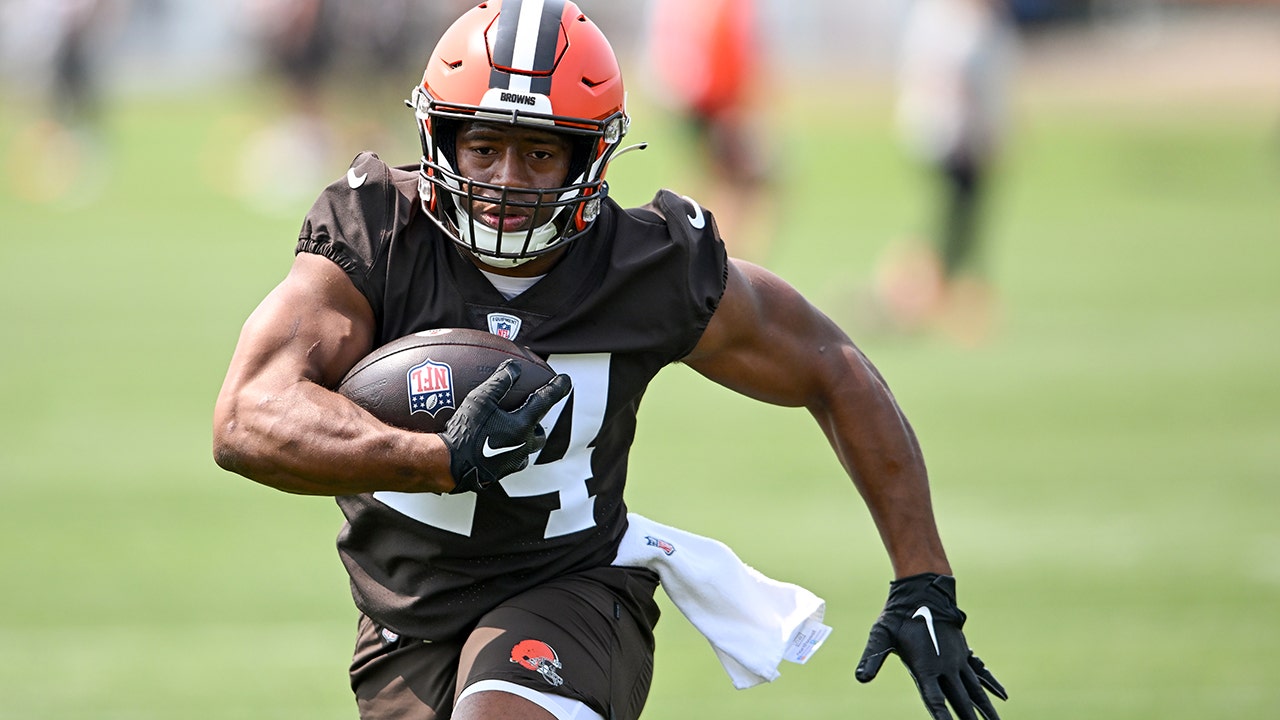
752	622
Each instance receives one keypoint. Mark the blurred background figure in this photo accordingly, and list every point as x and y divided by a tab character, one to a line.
955	67
382	56
337	74
707	61
296	42
74	86
60	154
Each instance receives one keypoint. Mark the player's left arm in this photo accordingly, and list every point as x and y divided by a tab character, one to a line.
767	342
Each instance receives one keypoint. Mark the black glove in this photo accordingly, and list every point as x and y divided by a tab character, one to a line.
487	443
921	623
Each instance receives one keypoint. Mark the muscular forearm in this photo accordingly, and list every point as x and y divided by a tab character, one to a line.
767	342
310	441
878	448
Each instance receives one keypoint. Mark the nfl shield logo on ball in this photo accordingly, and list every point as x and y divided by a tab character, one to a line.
504	325
430	387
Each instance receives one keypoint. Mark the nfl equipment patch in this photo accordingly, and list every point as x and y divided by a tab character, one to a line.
504	325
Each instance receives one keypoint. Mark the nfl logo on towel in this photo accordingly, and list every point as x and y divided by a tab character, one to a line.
430	387
504	325
661	544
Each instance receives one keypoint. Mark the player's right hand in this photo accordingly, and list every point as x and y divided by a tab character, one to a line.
487	443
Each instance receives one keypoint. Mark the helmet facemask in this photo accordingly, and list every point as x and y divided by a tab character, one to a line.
447	195
468	79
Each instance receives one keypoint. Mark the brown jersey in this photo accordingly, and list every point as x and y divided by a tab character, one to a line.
628	298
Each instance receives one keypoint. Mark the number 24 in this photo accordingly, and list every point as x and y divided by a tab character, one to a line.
566	477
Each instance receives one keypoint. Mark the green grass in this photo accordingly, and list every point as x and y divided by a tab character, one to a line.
1105	469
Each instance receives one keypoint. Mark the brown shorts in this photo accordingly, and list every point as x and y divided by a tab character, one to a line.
587	636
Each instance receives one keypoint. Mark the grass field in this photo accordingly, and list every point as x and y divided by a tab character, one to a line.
1105	468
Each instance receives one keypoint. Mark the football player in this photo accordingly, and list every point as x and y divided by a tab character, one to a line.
709	68
481	558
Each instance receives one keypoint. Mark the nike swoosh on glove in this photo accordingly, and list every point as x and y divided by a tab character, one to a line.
487	443
922	625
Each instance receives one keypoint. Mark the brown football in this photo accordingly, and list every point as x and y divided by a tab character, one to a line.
417	381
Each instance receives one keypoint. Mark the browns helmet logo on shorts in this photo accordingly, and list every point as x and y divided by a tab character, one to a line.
539	657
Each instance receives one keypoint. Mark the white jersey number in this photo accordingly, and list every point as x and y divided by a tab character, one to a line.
566	477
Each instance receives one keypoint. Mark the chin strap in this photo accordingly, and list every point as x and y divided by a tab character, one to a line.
479	235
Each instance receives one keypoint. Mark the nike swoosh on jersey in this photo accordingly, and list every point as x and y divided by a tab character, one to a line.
696	219
489	451
354	180
927	614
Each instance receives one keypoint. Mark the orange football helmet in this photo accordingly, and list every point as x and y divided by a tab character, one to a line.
535	63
